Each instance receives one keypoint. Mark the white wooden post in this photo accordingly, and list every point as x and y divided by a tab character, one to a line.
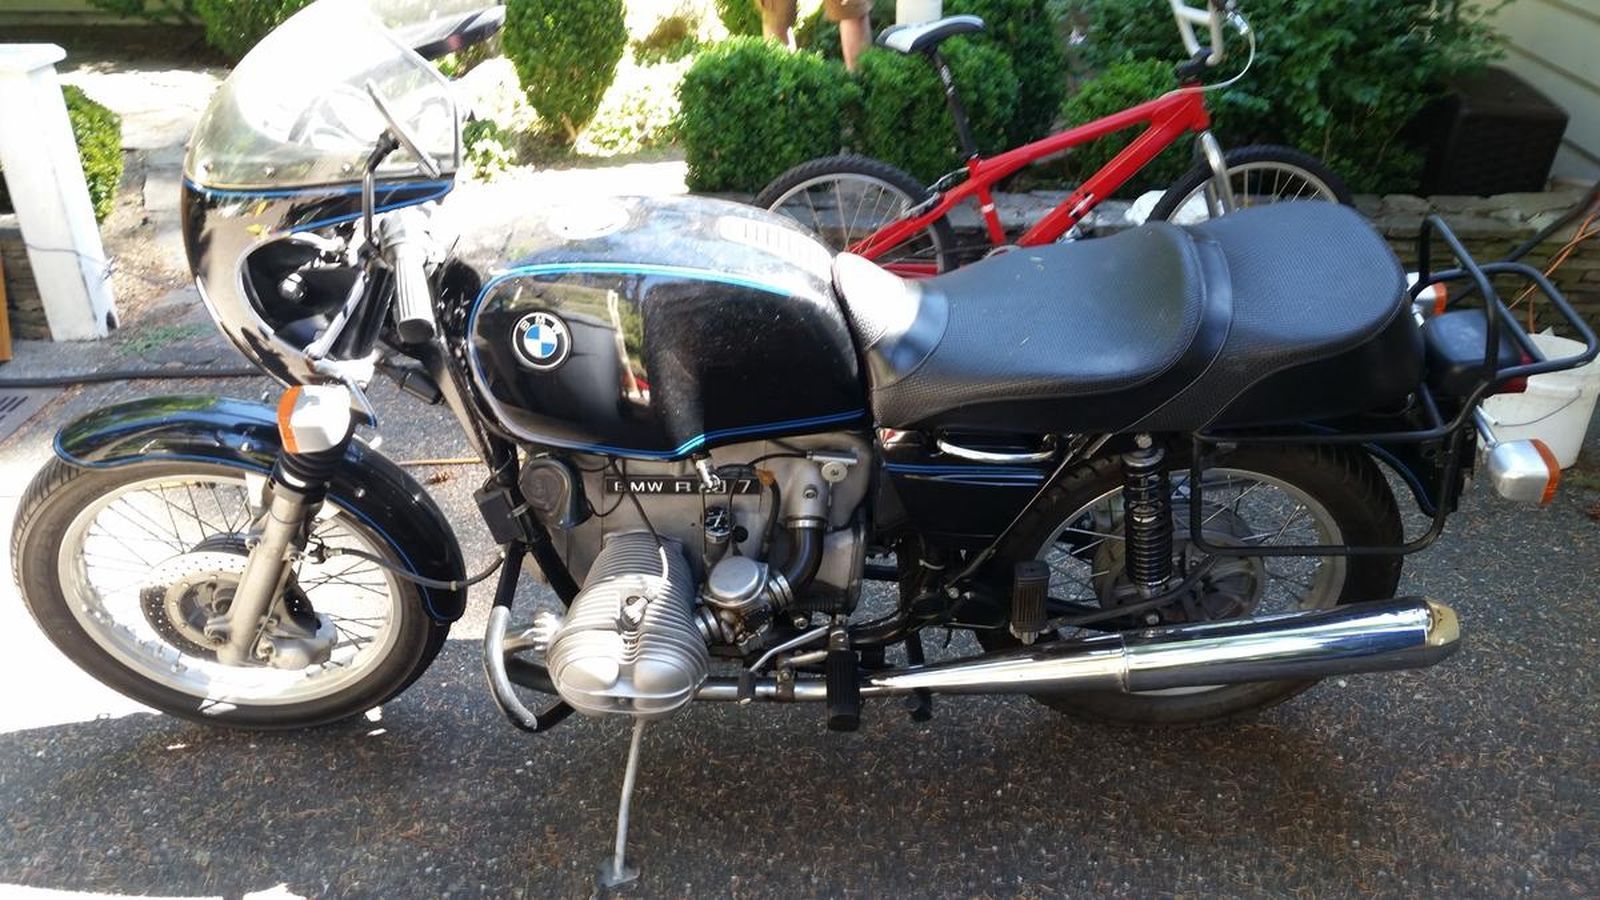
45	178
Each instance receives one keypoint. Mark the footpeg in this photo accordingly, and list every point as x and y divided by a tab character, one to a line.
843	683
1030	585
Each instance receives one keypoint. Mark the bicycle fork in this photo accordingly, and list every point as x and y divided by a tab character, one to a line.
1219	193
315	425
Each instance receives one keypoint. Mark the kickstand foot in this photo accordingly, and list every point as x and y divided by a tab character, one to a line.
615	871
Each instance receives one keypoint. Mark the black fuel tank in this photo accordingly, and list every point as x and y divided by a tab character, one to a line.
653	327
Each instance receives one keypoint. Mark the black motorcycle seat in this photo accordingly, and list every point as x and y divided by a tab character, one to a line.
1283	313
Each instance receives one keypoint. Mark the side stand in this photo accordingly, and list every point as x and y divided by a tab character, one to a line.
615	871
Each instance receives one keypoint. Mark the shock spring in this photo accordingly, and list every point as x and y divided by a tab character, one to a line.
1147	516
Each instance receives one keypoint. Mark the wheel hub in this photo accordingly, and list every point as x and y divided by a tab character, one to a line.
187	591
1232	587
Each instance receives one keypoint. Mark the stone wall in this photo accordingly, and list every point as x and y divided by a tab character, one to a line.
23	305
1490	228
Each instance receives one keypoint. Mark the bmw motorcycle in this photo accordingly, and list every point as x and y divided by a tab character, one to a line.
1150	474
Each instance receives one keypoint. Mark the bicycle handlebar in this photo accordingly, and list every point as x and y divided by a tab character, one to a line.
1213	16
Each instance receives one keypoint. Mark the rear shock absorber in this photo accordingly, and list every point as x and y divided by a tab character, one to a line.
1147	516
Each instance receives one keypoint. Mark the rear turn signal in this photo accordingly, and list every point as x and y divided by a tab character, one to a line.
1523	471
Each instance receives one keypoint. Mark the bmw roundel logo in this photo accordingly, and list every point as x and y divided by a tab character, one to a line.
542	340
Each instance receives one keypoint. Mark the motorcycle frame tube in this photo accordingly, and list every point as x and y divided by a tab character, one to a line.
243	435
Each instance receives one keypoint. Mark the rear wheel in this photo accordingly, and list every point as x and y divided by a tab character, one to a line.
123	567
1255	495
846	198
1260	175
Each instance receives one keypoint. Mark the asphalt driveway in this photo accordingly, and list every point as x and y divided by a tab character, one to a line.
1478	778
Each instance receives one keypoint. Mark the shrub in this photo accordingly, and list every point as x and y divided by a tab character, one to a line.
752	109
98	132
161	12
672	38
742	18
566	53
1124	84
640	112
1026	31
233	27
904	119
1340	79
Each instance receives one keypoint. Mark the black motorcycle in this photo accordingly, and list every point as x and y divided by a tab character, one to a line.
1147	473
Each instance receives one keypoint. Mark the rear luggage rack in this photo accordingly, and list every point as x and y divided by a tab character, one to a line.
1431	436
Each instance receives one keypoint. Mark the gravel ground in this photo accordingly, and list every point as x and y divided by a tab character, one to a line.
1477	778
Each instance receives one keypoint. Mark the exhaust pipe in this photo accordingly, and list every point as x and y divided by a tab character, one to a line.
1379	636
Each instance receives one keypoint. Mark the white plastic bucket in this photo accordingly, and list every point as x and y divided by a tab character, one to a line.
1556	407
915	12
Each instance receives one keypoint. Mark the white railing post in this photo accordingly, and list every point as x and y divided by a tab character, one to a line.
44	176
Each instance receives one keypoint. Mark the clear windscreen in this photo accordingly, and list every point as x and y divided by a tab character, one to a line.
296	112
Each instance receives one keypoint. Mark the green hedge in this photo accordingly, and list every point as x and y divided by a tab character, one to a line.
234	26
1124	84
98	132
1026	31
752	109
742	18
904	119
566	53
1341	79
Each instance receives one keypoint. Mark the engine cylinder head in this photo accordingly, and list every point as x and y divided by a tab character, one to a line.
630	642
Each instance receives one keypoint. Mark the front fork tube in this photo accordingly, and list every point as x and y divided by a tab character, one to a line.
316	425
1219	192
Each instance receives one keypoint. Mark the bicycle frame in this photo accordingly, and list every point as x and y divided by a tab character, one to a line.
1166	119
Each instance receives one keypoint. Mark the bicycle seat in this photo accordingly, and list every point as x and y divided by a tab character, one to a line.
926	36
1291	312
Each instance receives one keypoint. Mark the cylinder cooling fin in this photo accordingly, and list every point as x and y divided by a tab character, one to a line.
629	643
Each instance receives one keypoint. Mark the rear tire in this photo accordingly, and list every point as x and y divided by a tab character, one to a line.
876	192
1259	167
1344	483
51	512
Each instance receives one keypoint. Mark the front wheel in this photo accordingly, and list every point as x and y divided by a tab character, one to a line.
1260	174
844	199
123	567
1260	494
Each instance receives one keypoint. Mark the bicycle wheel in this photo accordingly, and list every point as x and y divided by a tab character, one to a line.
844	199
1260	175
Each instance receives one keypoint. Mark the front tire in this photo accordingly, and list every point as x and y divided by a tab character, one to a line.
1346	500
1261	174
845	198
118	566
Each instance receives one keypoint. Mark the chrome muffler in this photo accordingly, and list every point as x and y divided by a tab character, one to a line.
1378	636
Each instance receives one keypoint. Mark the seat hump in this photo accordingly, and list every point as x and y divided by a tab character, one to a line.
927	35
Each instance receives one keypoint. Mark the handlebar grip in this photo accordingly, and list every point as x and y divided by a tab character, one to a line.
407	256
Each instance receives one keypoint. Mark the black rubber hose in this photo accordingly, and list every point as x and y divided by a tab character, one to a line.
126	375
805	557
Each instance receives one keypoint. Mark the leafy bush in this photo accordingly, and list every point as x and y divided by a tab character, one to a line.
904	119
752	109
99	137
1026	31
233	27
1340	79
742	18
640	112
1121	85
99	134
161	12
672	38
566	53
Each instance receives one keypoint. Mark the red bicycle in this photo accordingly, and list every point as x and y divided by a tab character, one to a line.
869	207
